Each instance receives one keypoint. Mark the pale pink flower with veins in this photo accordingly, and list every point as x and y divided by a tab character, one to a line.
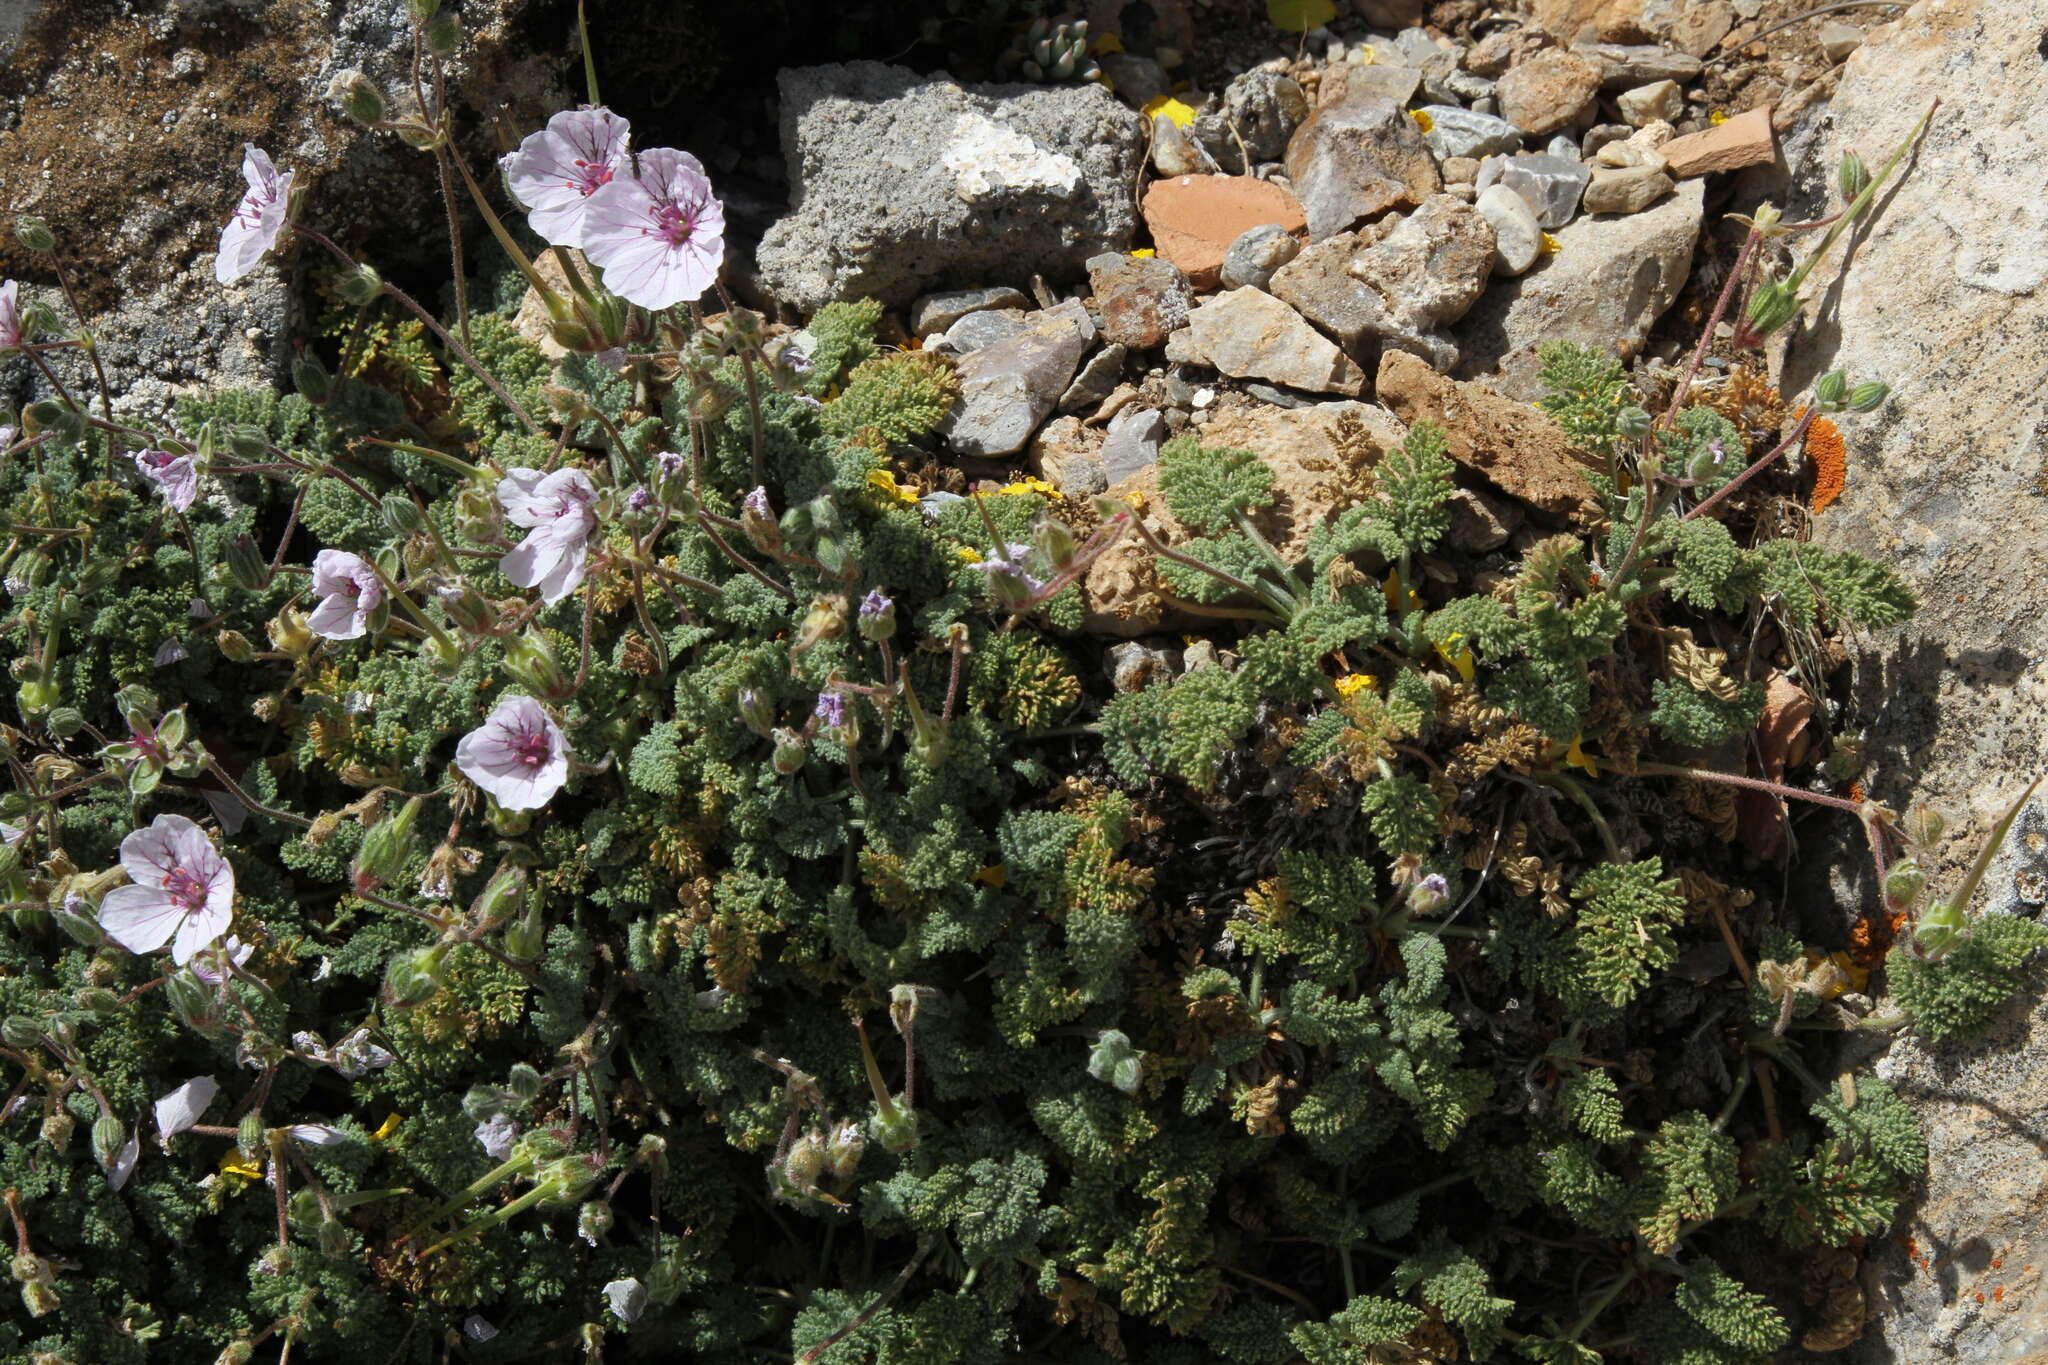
10	316
519	755
258	218
558	508
183	892
349	590
657	238
184	1106
175	476
557	170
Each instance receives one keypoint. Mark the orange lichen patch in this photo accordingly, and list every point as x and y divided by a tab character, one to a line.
1997	1263
1830	458
1998	1294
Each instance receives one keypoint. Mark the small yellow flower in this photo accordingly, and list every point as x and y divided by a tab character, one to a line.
1549	245
1105	42
1392	591
1372	54
387	1127
1575	757
1458	656
1144	253
1717	118
1180	113
1032	484
992	876
233	1163
1422	119
968	555
884	482
1353	683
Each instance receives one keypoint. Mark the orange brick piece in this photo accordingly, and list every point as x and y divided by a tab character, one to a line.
1744	140
1195	218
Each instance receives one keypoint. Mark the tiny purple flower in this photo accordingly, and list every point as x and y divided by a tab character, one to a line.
169	652
349	590
875	603
1008	578
497	1134
808	400
175	476
831	709
668	464
756	504
557	170
657	238
518	755
208	966
639	500
183	891
258	218
10	318
558	508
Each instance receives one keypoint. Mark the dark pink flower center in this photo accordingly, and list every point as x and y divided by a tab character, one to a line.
671	224
158	459
590	175
530	747
185	889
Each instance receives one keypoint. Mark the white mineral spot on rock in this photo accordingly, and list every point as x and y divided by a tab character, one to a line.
988	159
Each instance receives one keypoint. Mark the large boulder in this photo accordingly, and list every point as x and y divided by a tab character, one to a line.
1946	300
902	183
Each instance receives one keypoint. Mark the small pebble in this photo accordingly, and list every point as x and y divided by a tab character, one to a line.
1256	254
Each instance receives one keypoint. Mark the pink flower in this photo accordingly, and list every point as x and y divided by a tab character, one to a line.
558	508
519	755
258	218
557	170
657	238
349	590
183	892
175	476
10	316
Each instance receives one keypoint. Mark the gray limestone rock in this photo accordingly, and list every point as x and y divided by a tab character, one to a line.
1456	132
1008	387
1551	184
1256	254
1517	236
1097	378
937	312
1261	107
1605	286
1132	442
1356	159
1249	334
904	183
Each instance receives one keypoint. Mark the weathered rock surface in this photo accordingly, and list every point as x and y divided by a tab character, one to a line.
1426	274
1142	299
904	183
1354	160
1626	189
1131	442
937	312
1549	90
1551	184
1009	387
1318	455
1515	446
1319	285
1607	283
1261	107
1517	236
1946	300
1194	218
1249	334
1256	254
1456	131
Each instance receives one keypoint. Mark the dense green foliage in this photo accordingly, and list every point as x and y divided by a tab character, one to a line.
878	986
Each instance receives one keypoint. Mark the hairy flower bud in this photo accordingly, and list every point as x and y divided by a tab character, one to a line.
57	1129
1867	396
1830	387
193	1002
21	1031
65	721
758	524
877	617
289	634
245	440
310	377
249	1137
593	1221
1903	884
107	1137
443	34
844	1150
402	515
805	1162
33	233
790	752
358	97
1429	894
387	848
1770	308
246	563
414	977
530	658
361	286
754	711
235	647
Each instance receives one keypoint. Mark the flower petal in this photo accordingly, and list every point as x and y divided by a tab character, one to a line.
200	928
124	1161
141	919
181	1108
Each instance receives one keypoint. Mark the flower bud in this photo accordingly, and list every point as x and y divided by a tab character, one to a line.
1866	397
444	35
1830	387
332	1236
235	1353
249	1136
414	978
42	415
99	1000
524	1082
501	896
789	755
387	848
107	1138
531	659
593	1221
843	1152
1770	308
877	619
1853	176
758	524
245	440
1632	423
310	377
754	711
824	620
246	563
1429	894
420	135
33	233
1704	465
510	823
805	1162
1903	884
358	96
65	721
21	1031
895	1129
1924	825
360	286
526	939
57	1129
235	647
403	515
79	926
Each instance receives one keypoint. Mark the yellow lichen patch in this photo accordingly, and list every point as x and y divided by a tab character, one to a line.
1180	113
1422	119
